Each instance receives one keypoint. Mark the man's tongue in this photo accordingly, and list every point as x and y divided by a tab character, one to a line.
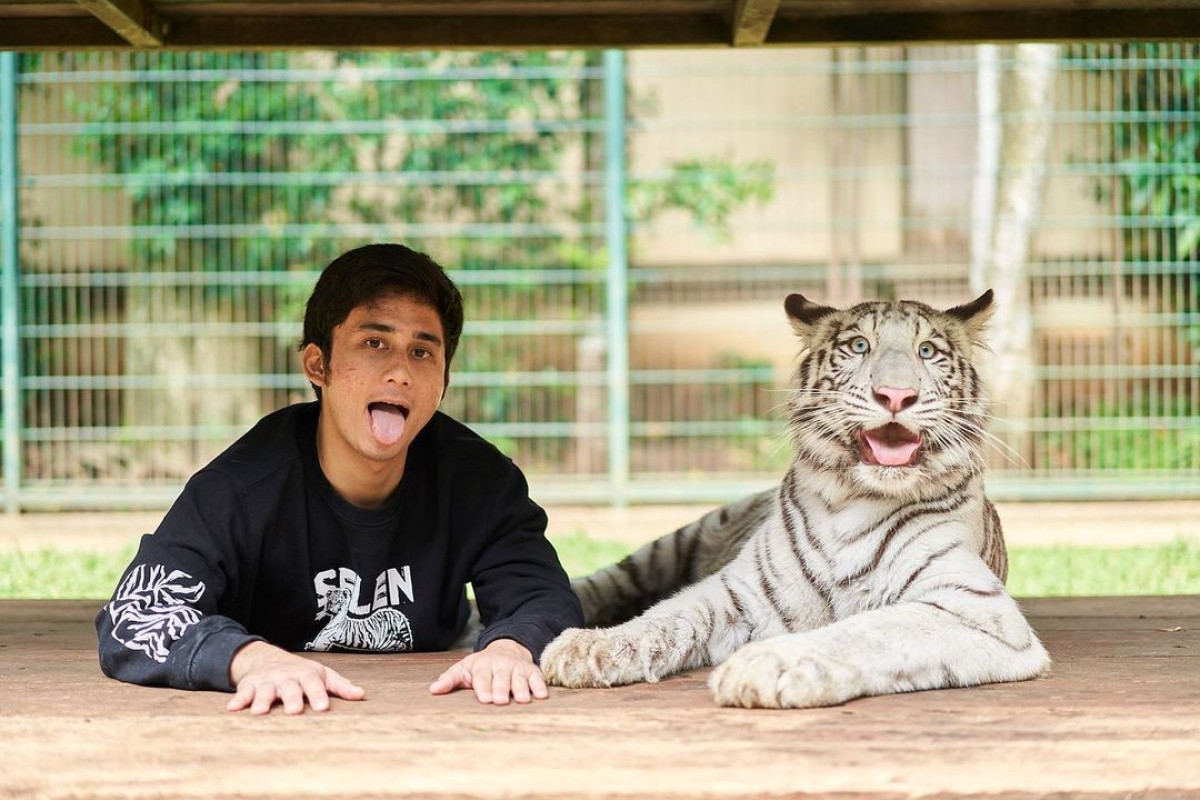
892	446
387	423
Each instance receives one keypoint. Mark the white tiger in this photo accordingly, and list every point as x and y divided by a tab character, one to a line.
876	566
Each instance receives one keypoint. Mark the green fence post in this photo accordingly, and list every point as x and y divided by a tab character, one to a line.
617	307
10	355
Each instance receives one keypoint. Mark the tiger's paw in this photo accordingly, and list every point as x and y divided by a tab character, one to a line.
775	675
592	657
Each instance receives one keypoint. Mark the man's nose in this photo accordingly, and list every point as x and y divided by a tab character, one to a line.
399	370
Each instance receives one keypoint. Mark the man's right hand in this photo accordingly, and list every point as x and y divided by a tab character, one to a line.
264	675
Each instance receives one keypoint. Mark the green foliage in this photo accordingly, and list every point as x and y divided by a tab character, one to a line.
1156	147
1156	150
167	137
710	189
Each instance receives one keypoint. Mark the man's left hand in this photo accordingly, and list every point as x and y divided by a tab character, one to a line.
499	671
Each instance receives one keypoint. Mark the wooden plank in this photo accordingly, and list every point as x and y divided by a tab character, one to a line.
752	21
1131	606
132	20
1119	716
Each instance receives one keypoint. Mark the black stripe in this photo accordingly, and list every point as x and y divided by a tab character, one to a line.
631	570
967	622
952	501
916	573
740	615
763	561
691	551
790	495
790	526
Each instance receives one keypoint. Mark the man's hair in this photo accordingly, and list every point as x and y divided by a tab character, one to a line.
370	273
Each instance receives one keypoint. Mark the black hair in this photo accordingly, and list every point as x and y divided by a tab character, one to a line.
370	273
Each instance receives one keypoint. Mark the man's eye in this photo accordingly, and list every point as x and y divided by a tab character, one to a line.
375	344
421	352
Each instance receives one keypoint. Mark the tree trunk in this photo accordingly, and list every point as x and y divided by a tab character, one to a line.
1004	262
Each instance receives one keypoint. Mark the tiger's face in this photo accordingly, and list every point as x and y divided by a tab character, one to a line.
885	396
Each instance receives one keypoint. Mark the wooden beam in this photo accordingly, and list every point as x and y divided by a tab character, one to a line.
447	32
752	21
1076	24
50	34
134	21
232	31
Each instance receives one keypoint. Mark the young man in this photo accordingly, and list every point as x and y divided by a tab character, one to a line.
352	523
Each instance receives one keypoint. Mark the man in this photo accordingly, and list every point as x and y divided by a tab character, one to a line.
351	523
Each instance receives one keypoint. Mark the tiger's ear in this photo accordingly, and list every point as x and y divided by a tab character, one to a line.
804	314
975	314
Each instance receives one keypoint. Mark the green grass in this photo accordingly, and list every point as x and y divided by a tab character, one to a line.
1172	568
60	574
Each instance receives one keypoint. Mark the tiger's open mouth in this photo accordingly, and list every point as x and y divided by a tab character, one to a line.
891	445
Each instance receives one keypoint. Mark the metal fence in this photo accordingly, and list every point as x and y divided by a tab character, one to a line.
624	229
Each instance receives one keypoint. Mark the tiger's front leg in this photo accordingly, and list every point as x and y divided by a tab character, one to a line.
945	639
699	626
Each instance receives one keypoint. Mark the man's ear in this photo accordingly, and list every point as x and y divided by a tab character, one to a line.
312	360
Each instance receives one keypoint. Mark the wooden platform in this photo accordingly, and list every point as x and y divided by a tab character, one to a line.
1119	718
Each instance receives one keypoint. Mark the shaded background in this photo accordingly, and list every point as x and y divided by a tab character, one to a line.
624	229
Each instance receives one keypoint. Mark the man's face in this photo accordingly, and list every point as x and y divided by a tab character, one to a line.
382	382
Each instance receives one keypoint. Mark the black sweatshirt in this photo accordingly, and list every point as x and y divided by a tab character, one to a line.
260	546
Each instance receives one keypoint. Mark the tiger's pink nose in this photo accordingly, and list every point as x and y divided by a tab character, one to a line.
895	400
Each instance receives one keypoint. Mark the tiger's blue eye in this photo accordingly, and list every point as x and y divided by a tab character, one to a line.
859	345
926	350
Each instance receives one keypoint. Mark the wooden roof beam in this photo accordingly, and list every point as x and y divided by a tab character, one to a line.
133	20
752	21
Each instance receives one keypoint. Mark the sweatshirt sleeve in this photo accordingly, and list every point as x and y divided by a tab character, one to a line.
520	587
163	625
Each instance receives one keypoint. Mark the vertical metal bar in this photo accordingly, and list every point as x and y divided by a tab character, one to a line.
617	307
10	350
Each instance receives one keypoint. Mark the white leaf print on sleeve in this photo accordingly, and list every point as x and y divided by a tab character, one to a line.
151	609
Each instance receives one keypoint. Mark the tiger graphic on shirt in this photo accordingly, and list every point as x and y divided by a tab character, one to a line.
877	565
381	629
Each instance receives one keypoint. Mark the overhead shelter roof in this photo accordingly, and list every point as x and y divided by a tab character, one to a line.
521	24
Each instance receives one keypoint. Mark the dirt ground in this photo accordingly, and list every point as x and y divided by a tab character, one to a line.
1115	524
